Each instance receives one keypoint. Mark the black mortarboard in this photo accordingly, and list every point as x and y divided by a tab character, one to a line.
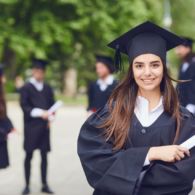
39	63
108	61
144	38
188	42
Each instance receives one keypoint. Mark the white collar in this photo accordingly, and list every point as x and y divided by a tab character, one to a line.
185	66
142	112
104	83
37	84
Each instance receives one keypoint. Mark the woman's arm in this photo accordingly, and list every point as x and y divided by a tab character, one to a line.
111	171
169	153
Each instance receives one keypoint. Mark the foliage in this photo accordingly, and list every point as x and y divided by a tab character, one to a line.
66	32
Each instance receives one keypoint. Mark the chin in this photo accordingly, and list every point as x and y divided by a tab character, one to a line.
148	88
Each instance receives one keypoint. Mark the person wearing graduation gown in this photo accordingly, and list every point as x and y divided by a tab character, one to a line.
132	145
5	126
100	90
36	97
186	90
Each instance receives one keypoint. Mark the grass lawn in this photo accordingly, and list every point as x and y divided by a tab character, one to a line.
79	100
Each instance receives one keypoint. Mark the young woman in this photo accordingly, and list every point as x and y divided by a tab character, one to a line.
5	127
132	145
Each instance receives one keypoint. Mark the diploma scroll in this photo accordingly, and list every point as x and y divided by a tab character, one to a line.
189	143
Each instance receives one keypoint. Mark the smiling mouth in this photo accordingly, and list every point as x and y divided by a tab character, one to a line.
148	80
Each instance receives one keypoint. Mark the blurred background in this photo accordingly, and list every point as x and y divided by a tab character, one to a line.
68	33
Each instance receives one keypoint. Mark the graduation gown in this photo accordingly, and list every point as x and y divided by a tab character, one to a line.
97	98
36	130
5	127
186	90
118	172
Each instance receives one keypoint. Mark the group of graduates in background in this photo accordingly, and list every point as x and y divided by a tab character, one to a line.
36	97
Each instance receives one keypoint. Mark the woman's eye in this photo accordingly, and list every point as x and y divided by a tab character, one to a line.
155	65
139	66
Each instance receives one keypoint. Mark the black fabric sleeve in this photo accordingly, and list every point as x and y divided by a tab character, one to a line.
173	178
111	171
24	101
5	128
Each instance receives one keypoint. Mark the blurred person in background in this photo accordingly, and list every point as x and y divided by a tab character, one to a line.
186	90
36	98
5	125
100	90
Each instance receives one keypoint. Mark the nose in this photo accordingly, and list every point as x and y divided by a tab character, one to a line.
147	71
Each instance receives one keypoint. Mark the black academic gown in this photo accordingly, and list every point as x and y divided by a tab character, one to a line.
5	127
36	130
117	172
186	90
97	98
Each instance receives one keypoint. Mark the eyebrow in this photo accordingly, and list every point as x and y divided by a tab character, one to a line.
153	62
139	63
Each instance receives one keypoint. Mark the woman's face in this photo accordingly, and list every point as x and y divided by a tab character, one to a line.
148	72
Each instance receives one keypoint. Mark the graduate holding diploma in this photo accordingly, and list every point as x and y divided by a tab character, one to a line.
133	146
36	101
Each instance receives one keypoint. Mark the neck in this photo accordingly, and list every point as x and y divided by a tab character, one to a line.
104	77
38	80
152	96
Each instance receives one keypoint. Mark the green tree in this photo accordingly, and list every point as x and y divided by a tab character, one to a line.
66	32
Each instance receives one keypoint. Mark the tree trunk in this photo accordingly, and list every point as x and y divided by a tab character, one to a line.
70	82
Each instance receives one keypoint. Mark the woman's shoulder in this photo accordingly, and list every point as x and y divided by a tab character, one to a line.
99	116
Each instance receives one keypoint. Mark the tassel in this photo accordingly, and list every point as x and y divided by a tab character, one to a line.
118	60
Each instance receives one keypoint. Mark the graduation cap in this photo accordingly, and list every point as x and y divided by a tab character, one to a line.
39	64
142	39
188	42
108	61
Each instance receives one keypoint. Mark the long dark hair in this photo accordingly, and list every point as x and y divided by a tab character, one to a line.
3	111
118	123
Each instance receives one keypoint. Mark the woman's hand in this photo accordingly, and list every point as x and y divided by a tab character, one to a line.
170	153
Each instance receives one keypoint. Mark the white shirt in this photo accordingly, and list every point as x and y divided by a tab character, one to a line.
185	66
38	112
104	83
144	115
37	84
147	117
